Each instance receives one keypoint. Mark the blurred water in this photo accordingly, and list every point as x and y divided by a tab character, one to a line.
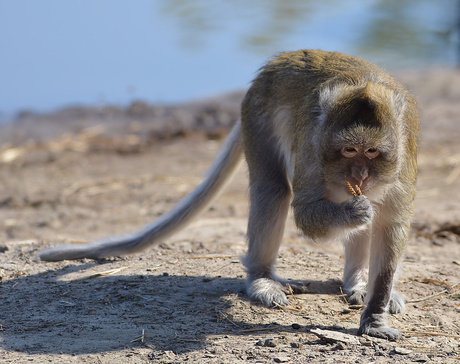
56	53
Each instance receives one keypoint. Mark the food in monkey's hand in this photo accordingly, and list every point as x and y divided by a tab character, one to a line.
352	191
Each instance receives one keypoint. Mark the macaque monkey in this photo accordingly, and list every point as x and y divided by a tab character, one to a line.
311	122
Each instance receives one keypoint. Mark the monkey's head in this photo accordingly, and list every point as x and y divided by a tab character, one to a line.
360	143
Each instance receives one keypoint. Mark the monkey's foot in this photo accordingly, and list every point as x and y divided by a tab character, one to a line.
397	303
357	297
375	325
271	291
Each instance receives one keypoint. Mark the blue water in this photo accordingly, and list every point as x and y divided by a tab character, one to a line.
57	53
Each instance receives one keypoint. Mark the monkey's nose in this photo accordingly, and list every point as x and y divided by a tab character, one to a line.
360	175
360	181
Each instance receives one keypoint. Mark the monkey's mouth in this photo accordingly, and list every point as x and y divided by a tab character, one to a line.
363	185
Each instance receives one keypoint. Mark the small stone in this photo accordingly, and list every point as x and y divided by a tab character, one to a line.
281	359
335	337
269	343
402	351
295	326
341	346
296	345
419	358
165	274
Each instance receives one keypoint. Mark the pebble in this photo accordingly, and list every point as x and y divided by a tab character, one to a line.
335	337
281	359
269	343
402	351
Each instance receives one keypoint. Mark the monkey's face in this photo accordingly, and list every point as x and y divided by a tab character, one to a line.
363	156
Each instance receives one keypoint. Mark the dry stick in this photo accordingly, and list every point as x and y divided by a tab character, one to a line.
100	274
291	292
286	308
344	296
213	256
427	297
428	333
260	329
140	338
225	316
444	283
434	295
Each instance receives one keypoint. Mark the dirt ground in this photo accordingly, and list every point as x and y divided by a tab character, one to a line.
85	173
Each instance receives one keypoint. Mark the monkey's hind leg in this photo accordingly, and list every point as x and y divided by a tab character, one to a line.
270	197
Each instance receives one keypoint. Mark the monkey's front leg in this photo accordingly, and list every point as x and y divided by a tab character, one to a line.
387	247
268	213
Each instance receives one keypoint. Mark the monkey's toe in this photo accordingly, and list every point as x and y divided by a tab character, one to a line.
295	287
397	303
356	297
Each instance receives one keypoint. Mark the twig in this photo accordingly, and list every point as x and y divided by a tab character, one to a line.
291	293
344	296
449	291
286	308
444	283
225	316
260	329
427	297
140	338
213	256
428	333
100	274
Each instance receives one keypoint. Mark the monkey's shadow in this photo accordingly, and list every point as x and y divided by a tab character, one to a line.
41	314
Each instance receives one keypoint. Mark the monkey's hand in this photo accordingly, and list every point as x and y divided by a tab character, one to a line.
358	211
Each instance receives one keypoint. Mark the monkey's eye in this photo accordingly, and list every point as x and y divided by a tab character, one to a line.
371	153
349	152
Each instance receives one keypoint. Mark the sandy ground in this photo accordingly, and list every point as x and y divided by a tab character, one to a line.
80	174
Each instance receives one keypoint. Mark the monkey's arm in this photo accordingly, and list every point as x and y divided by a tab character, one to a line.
194	203
326	220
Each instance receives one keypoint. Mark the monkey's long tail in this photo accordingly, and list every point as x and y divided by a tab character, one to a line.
219	174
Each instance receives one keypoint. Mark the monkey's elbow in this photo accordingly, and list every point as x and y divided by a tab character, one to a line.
312	230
